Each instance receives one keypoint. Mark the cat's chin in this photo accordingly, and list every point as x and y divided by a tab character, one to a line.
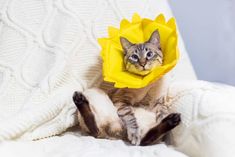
142	73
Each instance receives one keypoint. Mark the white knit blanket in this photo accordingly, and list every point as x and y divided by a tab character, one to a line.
48	49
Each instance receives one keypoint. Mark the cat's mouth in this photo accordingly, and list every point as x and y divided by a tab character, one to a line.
145	68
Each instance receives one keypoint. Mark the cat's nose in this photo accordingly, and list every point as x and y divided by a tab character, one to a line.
142	63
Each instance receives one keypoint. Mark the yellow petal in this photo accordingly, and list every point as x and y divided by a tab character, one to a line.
112	31
102	42
160	19
136	18
125	24
171	23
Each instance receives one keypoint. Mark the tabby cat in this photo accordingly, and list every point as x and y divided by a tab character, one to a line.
134	115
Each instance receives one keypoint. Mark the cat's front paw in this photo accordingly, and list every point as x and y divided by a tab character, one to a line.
133	135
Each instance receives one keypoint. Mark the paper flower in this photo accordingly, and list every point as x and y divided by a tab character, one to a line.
138	31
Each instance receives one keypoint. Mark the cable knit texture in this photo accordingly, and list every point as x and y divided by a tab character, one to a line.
48	49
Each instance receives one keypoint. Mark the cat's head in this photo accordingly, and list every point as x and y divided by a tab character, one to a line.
143	57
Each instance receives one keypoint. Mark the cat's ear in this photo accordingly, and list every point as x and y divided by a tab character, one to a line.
126	44
155	38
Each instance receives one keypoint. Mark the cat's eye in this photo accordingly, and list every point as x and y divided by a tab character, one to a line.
134	57
146	49
149	55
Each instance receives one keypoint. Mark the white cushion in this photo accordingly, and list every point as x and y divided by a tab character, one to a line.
208	118
74	146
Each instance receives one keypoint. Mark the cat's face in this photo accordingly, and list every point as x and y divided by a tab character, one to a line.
142	58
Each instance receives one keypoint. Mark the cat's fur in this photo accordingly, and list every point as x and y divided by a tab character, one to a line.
130	114
142	57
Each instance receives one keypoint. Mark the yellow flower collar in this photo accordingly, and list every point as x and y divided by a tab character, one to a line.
138	31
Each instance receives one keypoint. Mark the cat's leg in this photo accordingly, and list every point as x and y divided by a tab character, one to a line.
158	131
145	120
126	114
85	110
124	100
102	109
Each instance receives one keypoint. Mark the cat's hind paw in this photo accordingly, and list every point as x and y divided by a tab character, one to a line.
172	120
84	108
79	99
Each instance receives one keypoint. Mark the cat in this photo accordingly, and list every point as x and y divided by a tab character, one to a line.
134	115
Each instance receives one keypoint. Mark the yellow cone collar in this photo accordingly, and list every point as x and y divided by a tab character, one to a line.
138	31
